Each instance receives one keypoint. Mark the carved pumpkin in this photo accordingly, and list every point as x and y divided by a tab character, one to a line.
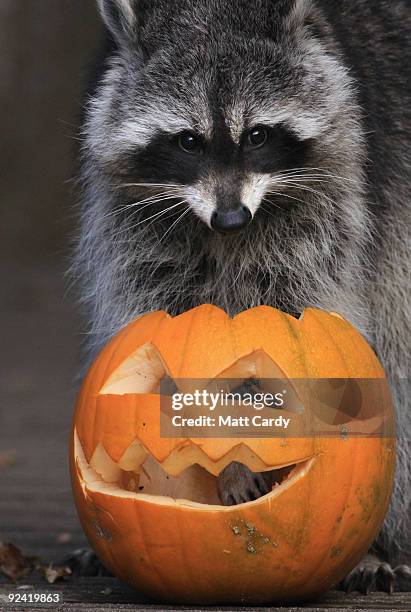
148	504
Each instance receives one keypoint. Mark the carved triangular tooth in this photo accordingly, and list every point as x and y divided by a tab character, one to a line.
189	454
243	454
102	475
185	456
103	464
133	457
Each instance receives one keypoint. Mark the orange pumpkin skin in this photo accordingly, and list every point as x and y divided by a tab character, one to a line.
290	545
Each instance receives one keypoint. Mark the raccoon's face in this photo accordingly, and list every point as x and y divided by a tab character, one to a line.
231	124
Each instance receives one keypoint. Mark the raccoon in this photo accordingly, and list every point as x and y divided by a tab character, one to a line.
243	153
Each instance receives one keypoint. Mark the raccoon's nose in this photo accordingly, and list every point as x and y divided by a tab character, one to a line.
231	221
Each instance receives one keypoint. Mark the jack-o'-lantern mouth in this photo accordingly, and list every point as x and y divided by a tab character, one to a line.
194	486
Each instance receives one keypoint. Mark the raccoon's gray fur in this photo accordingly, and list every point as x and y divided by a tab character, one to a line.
329	190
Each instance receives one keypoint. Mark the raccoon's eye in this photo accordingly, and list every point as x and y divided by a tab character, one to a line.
257	137
190	142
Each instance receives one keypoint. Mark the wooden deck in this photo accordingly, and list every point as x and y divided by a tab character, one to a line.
109	594
39	352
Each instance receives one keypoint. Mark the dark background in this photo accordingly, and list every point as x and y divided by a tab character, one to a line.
46	48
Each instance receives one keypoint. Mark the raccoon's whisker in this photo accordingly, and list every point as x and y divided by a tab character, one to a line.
322	175
171	185
266	209
175	222
175	212
160	197
155	216
283	180
321	171
285	195
315	178
304	187
269	201
317	193
320	178
294	183
300	179
302	172
168	193
303	179
147	202
154	270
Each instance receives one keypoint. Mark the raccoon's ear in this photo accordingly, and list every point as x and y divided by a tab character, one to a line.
120	17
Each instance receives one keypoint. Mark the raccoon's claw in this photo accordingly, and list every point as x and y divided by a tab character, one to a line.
372	574
238	485
83	562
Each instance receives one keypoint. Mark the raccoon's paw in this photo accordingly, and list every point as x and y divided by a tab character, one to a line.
83	562
238	485
372	574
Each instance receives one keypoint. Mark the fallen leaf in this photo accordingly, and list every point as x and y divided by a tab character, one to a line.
13	563
52	574
8	458
24	587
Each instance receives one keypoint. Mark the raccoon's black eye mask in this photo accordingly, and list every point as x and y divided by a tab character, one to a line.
193	143
188	156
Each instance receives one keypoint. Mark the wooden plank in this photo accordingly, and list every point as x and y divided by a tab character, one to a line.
105	593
